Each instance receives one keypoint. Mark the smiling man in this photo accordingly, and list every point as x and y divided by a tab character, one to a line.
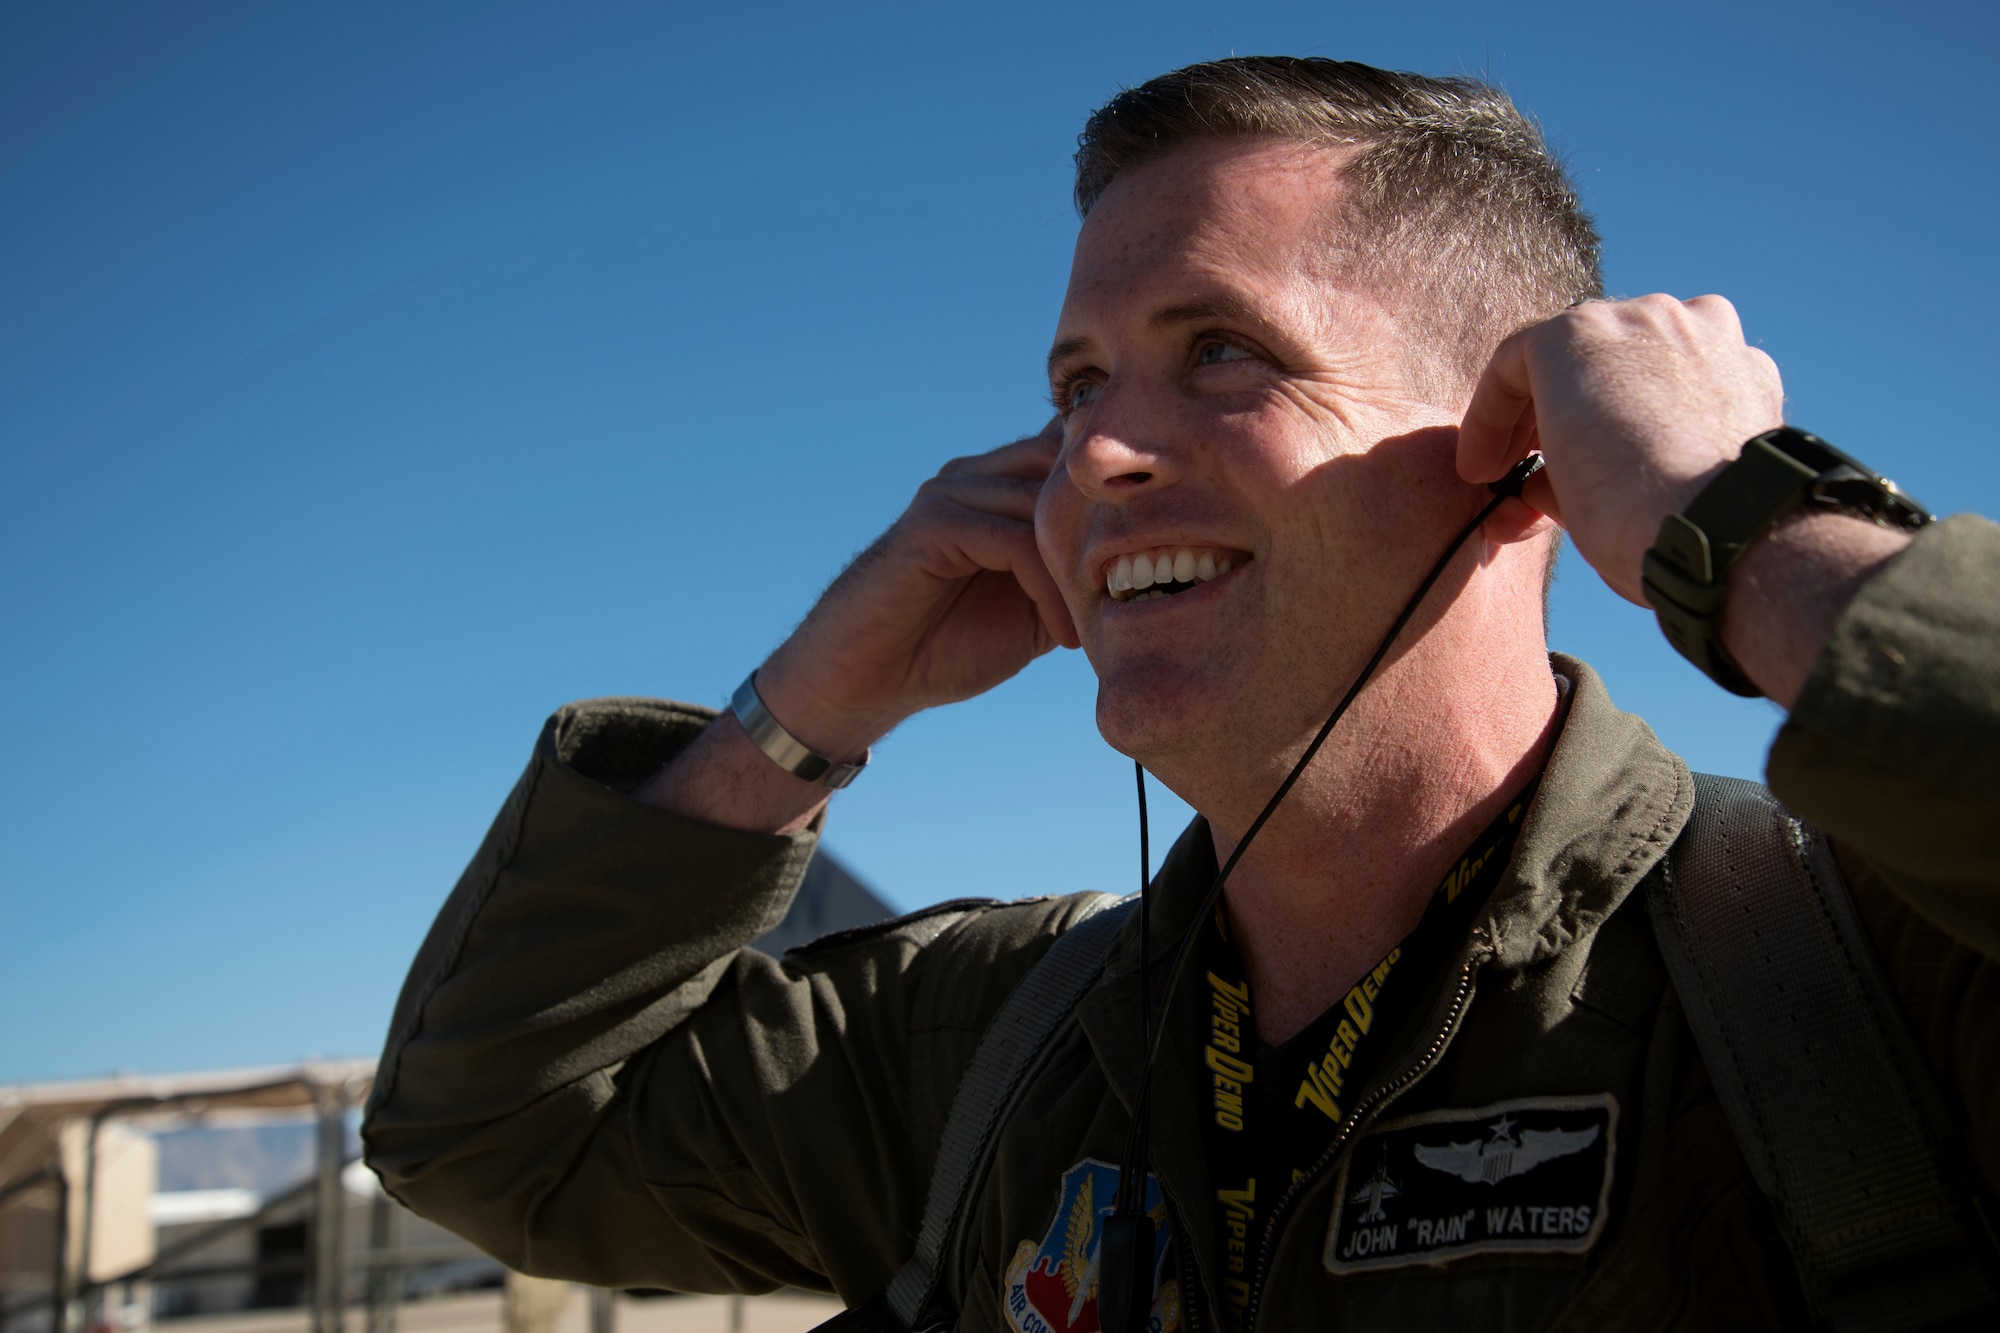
1427	1064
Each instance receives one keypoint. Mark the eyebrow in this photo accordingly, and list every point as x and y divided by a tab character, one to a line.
1211	307
1189	312
1066	349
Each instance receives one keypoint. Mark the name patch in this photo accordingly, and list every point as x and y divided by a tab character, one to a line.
1530	1175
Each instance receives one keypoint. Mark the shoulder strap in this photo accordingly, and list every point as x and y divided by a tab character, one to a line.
1827	1096
1009	1052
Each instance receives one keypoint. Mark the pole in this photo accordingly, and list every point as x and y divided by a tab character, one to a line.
59	1287
329	1250
385	1275
79	1311
50	1176
603	1310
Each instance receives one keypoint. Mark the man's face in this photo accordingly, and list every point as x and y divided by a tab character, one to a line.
1225	394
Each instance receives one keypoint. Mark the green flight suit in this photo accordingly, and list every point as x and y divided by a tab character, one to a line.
589	1075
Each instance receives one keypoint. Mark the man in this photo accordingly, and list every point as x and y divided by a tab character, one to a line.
1286	368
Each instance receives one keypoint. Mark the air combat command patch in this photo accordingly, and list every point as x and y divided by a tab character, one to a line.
1052	1288
1532	1175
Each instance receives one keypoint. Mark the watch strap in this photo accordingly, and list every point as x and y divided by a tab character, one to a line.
1686	577
784	749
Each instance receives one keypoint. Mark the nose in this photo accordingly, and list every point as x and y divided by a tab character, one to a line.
1111	454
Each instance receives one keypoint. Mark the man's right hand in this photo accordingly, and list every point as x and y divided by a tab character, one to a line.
950	601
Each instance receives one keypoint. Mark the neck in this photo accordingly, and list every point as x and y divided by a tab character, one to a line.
1428	756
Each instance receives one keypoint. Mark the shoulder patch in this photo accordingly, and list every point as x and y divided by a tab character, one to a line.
1051	1287
1525	1176
877	929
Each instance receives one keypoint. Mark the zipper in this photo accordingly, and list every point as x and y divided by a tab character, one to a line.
1383	1095
1190	1282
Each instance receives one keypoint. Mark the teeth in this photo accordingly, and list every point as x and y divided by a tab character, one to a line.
1139	577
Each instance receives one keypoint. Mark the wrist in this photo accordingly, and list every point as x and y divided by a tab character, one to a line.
1690	571
723	778
784	749
840	730
1791	585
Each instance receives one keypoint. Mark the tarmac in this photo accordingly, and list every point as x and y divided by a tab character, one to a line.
479	1312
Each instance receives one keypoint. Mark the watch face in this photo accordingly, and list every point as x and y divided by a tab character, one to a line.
1845	483
1868	496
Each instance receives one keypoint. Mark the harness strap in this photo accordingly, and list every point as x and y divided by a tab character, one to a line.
1824	1091
1012	1049
1820	1082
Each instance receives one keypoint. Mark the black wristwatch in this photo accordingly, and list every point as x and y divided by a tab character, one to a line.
1780	471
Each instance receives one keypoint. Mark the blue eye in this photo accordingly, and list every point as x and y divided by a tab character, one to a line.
1084	392
1213	354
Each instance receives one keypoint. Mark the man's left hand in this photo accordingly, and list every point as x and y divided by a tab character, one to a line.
1635	405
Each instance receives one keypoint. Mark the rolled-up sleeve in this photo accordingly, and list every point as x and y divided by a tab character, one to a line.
590	1076
1894	749
1894	745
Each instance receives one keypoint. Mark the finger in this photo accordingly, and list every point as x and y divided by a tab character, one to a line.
1767	373
1719	313
1491	438
988	541
1030	458
1011	497
1040	585
1514	521
993	596
1539	494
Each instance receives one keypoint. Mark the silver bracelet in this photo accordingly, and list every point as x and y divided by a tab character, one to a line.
784	749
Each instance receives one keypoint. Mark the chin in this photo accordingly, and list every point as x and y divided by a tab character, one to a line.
1155	711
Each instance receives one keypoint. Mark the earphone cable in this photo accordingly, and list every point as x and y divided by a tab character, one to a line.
1151	1032
1131	1187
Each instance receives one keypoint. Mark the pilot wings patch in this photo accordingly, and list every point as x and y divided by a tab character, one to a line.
1532	1175
1504	1154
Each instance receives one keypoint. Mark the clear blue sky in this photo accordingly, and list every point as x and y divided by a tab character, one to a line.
376	378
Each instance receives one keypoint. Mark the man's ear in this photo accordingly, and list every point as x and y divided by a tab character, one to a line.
1515	521
1525	518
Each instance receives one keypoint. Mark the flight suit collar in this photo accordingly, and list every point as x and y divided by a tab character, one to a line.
1611	801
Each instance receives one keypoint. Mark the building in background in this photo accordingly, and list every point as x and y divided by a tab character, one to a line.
130	1200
